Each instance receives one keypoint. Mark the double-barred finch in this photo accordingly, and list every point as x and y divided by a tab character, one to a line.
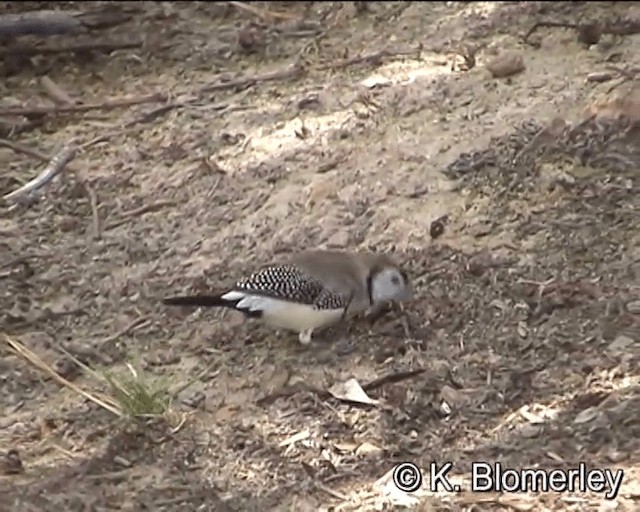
312	290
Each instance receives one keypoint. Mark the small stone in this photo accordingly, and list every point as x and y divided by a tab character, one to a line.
599	76
621	342
338	240
11	463
506	64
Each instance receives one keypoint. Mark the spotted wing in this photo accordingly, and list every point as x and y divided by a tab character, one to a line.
328	299
286	282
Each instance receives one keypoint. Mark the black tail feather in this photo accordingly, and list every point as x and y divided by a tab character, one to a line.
210	301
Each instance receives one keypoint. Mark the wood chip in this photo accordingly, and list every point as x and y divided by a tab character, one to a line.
300	436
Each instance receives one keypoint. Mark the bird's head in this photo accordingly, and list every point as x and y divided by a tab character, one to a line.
388	282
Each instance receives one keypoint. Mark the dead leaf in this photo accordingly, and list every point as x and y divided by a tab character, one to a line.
453	397
345	447
587	415
367	448
351	391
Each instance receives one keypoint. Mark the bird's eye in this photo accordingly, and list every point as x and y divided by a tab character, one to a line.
395	280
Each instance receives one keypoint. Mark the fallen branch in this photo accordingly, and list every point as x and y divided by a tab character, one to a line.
153	114
590	32
30	51
39	23
291	73
370	58
105	105
12	126
110	15
55	167
19	148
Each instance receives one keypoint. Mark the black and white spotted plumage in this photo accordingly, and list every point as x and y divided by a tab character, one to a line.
290	283
311	290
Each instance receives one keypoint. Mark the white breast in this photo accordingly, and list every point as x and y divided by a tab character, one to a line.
283	314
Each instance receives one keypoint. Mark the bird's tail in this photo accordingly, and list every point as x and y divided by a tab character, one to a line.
210	301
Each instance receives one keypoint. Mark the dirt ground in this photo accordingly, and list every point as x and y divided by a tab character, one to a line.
525	331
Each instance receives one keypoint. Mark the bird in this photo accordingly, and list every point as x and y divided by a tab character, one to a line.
311	290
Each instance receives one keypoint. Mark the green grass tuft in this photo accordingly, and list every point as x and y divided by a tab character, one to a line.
138	395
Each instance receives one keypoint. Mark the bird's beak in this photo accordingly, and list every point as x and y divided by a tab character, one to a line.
407	294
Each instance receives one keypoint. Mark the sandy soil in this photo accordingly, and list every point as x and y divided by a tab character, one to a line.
525	332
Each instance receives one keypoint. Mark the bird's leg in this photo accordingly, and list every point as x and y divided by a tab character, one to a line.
345	312
305	336
377	311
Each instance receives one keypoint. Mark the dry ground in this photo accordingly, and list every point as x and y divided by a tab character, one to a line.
526	317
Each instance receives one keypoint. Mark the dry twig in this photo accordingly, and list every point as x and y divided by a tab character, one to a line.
392	378
93	199
116	336
262	13
93	203
289	391
54	91
55	167
19	148
140	211
369	58
289	73
33	359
